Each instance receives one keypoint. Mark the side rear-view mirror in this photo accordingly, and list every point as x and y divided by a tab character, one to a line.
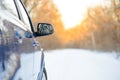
44	29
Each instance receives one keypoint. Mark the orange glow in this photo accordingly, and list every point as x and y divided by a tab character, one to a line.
74	11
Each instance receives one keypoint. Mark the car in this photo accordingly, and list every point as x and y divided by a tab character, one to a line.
21	56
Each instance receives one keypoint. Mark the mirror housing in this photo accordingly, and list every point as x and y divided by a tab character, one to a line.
44	29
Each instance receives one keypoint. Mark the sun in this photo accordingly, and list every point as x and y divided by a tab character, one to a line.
74	11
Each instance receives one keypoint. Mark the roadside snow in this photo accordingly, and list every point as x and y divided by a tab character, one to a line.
76	64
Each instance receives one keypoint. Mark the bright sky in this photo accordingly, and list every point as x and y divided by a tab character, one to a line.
73	11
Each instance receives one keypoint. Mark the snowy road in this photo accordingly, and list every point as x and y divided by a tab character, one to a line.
76	64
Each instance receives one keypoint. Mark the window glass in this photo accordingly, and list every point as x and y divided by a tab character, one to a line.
23	14
7	5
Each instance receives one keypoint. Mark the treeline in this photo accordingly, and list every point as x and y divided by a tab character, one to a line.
100	30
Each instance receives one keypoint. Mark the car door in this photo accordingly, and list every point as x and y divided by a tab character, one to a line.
19	39
16	39
30	61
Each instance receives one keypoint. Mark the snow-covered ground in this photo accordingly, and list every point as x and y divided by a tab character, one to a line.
76	64
71	64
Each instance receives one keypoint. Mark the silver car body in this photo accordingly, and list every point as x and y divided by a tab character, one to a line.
21	57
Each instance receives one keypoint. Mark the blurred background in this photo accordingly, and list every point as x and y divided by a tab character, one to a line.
82	24
86	41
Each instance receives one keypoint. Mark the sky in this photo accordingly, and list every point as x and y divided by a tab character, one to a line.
74	11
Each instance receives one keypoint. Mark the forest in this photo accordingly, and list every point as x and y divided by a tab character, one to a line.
100	29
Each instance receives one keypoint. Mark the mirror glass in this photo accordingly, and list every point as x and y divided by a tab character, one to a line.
44	29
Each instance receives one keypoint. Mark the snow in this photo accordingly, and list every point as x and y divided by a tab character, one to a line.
77	64
71	64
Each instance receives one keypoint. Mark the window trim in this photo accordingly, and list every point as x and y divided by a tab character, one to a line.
31	25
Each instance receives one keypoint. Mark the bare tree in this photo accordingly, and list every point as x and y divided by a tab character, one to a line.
116	8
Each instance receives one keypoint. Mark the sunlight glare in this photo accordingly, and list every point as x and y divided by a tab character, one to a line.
74	11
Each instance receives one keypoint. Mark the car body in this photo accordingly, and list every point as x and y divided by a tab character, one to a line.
21	57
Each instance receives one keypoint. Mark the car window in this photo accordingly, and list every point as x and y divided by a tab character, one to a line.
7	5
23	15
9	11
15	8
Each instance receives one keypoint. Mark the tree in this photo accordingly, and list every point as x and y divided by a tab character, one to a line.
116	6
99	24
